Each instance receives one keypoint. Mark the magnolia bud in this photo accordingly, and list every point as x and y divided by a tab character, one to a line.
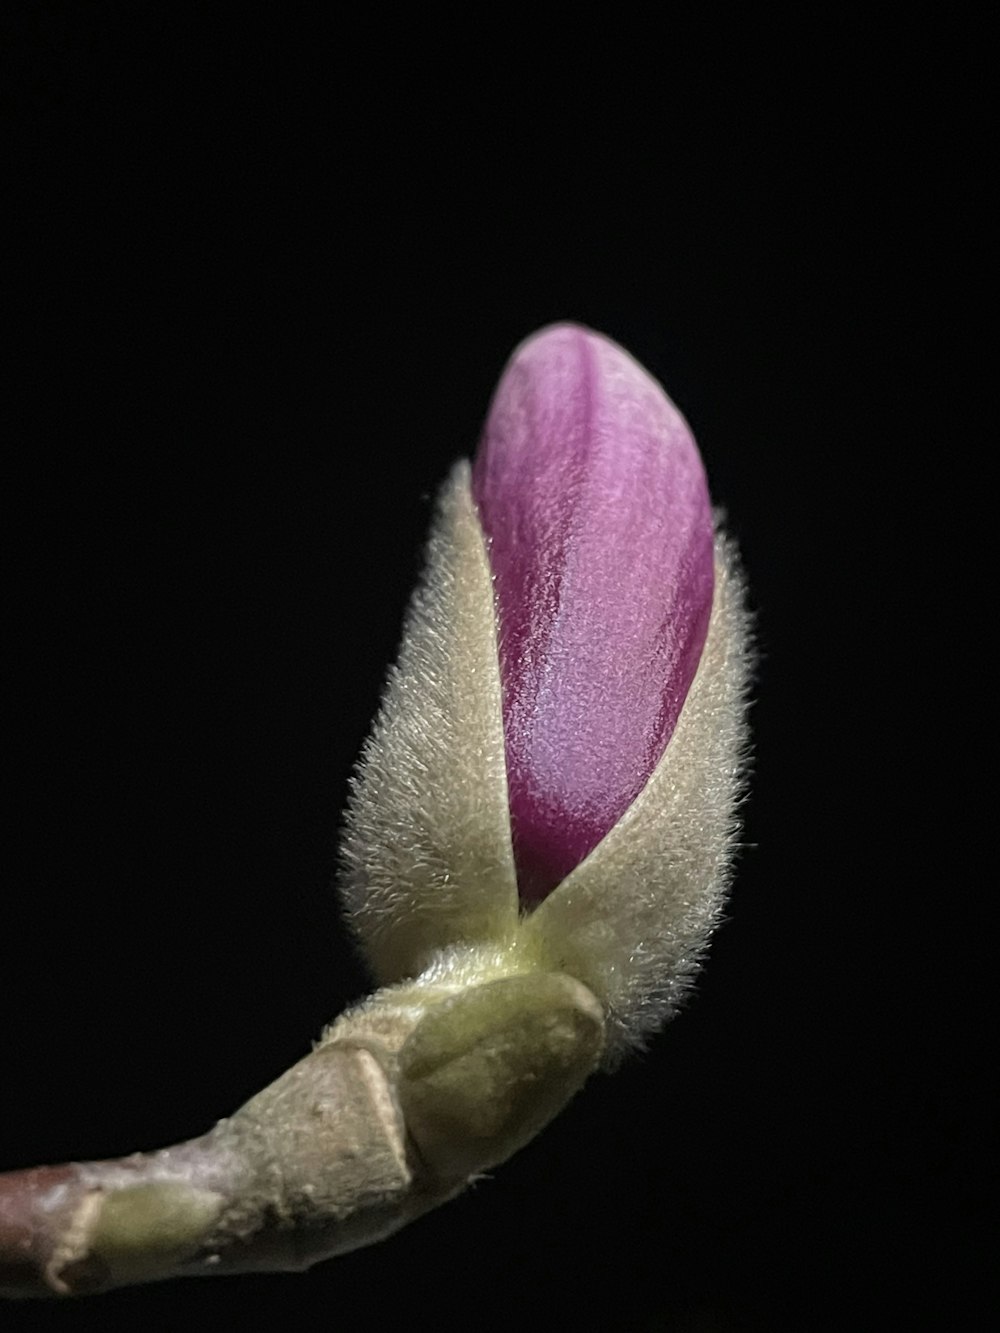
552	779
536	850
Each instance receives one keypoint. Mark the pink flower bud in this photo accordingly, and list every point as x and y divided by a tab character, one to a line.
593	499
552	779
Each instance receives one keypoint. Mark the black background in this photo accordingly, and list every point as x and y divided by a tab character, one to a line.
264	277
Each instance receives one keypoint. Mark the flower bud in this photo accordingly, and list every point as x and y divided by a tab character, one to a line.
552	778
595	507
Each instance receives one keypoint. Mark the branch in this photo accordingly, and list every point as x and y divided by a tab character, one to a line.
316	1164
404	1100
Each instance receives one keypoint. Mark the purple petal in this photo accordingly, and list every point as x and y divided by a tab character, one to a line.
593	499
